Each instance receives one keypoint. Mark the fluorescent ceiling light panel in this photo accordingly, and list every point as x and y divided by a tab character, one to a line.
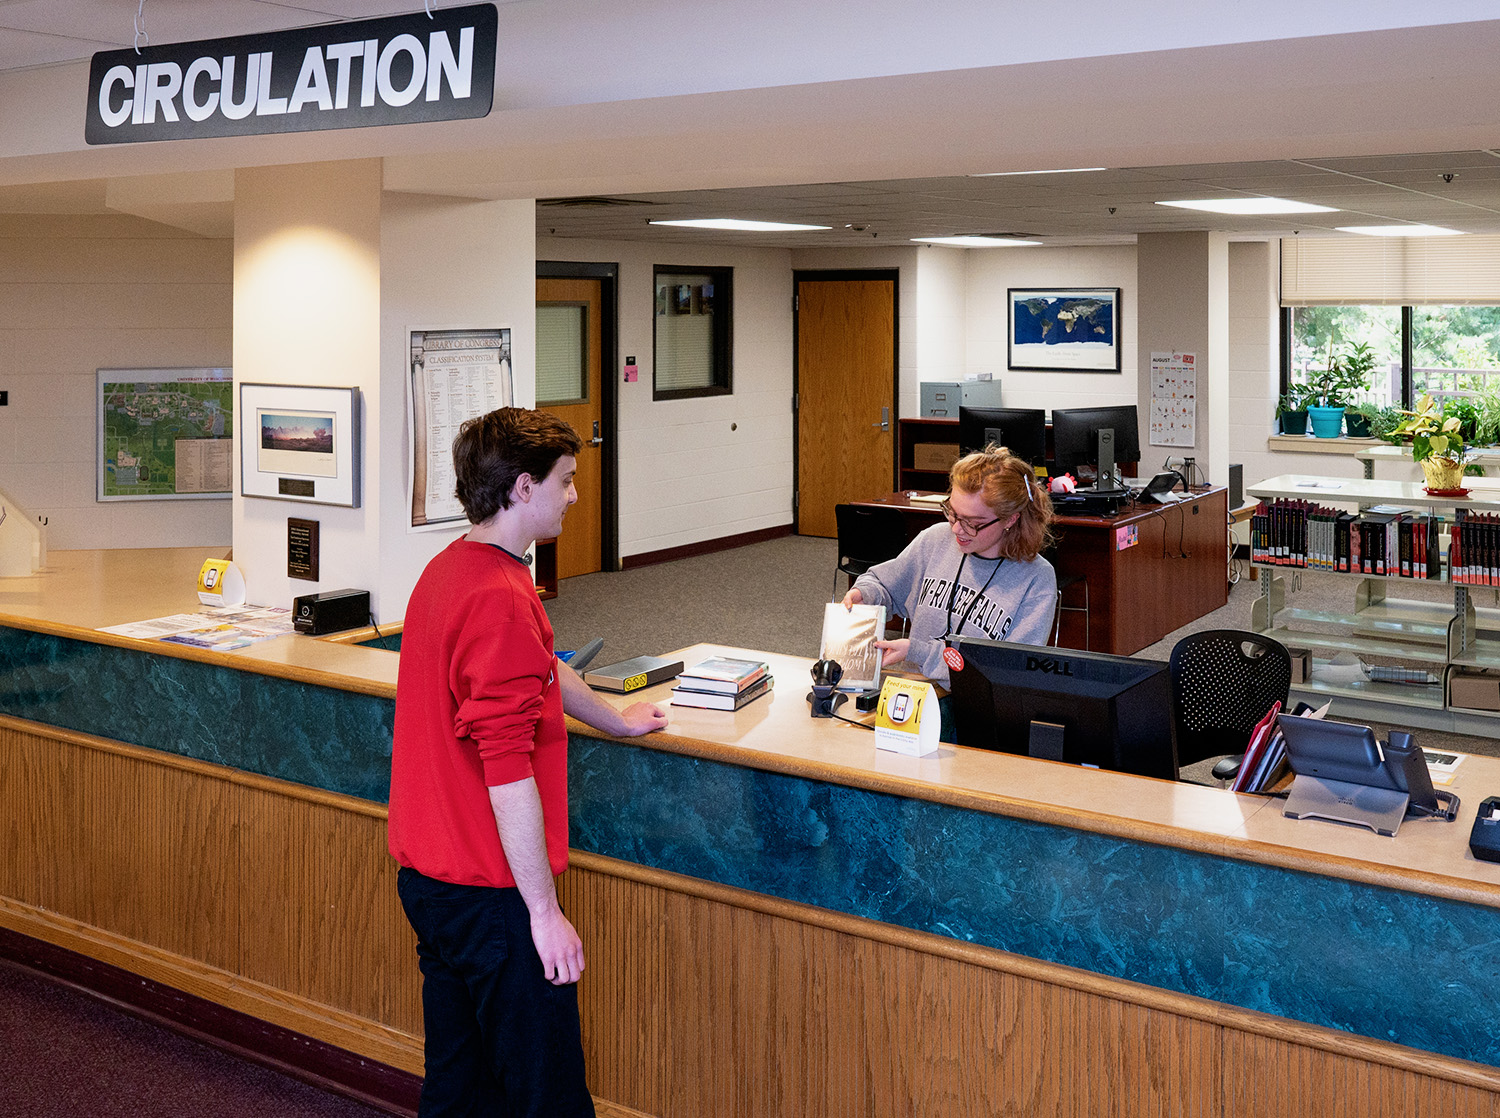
1400	230
741	226
1056	171
1250	206
975	242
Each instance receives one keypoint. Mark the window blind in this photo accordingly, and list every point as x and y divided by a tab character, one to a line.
1390	271
560	373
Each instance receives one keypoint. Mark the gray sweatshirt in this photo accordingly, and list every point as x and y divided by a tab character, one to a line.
1017	605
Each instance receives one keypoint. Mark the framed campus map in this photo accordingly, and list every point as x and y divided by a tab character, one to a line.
165	434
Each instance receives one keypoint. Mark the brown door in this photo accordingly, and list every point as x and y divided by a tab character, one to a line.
569	384
846	386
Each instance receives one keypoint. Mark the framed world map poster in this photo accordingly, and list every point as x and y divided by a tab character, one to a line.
1065	329
165	434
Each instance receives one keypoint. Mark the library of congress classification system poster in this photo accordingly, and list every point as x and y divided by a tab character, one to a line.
455	375
1174	399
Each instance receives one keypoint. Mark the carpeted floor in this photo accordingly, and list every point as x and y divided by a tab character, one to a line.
69	1055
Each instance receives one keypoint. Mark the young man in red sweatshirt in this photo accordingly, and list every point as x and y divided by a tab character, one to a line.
479	795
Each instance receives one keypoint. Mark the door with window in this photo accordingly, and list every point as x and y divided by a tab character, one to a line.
569	385
846	392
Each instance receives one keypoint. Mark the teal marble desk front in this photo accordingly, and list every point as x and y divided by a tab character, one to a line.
1382	963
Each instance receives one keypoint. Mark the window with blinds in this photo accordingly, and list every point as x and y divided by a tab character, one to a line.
562	375
692	335
1390	271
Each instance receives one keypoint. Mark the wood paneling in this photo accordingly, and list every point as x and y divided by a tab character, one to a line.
762	1015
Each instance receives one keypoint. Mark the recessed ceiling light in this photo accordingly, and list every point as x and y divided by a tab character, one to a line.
741	225
1056	171
975	242
1250	206
1400	230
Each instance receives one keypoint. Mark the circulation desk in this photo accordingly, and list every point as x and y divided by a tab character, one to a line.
780	920
1150	570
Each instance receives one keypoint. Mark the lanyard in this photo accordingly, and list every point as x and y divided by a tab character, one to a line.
953	596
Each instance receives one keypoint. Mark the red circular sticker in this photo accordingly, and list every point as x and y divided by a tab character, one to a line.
954	659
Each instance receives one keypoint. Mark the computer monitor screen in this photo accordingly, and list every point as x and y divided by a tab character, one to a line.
1087	708
1022	431
1075	437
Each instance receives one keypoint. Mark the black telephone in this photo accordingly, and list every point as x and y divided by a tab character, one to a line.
1158	490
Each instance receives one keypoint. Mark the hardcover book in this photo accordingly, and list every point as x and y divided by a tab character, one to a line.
712	700
849	636
633	674
722	674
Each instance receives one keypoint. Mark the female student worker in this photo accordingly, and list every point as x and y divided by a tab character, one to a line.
980	574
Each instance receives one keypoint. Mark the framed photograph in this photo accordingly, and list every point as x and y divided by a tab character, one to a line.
164	434
299	443
1065	329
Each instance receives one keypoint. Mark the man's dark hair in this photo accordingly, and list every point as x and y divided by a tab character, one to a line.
493	450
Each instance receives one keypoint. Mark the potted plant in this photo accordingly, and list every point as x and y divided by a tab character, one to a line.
1291	410
1337	388
1359	420
1437	445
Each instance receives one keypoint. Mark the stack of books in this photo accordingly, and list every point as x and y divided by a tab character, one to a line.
722	683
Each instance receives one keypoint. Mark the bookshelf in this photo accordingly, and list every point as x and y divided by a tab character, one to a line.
1440	631
913	431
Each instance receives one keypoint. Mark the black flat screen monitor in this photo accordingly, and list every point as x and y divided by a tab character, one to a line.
1087	708
1075	436
1022	431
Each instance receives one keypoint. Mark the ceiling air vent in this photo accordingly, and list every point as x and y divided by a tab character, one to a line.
591	201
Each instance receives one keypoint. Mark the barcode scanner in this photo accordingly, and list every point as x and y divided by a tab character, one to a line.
824	698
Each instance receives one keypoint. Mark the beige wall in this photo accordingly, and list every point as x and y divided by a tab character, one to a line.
700	469
443	262
105	291
307	312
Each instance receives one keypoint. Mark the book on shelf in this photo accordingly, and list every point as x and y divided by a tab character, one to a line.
723	674
633	674
849	636
714	700
1396	543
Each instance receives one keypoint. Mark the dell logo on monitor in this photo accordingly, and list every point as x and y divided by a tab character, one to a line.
1047	664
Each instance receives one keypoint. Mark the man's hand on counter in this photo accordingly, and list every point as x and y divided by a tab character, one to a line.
583	703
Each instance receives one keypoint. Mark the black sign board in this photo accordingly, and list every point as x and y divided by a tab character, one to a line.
401	70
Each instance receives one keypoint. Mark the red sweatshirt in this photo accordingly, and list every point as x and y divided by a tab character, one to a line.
478	704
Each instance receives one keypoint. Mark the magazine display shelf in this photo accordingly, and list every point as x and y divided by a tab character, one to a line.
1440	634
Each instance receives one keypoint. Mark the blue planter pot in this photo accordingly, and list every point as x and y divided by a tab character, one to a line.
1326	422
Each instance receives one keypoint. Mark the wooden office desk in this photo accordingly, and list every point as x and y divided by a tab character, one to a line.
1150	570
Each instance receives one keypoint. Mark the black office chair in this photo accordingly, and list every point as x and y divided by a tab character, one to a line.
1223	682
867	535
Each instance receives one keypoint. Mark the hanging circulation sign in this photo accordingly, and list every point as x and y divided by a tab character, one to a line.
401	70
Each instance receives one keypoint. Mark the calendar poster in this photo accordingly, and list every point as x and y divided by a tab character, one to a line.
1174	399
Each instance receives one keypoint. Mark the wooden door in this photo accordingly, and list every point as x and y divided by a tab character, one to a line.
846	387
570	386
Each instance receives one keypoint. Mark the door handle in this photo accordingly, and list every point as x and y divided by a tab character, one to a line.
597	439
885	420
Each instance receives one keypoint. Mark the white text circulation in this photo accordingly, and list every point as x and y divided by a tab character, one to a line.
388	71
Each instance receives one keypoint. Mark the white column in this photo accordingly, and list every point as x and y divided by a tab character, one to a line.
1183	305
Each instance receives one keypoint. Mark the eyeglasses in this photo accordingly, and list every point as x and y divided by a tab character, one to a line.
967	525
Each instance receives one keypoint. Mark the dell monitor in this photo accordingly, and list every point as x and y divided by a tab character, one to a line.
1099	438
1086	708
1022	431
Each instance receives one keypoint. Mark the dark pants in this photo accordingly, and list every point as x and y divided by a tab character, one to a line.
501	1039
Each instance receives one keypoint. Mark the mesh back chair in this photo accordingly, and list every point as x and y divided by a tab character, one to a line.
1223	682
867	535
